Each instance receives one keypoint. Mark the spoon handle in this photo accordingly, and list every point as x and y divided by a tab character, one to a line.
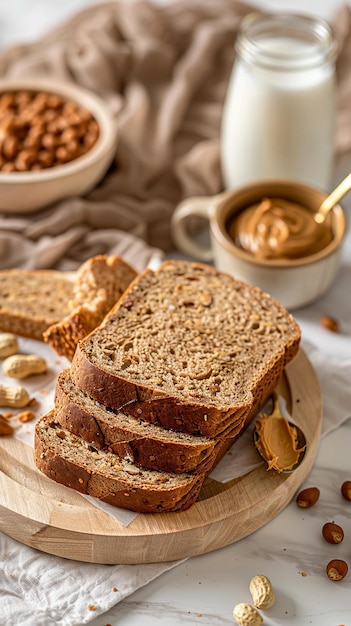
333	198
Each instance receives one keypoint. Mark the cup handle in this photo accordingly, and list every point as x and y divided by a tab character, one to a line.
199	206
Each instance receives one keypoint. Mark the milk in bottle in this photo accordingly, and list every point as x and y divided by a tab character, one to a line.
279	113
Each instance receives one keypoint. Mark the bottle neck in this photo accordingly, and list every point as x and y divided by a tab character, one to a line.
285	41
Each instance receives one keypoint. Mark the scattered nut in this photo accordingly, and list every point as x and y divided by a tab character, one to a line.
246	615
262	591
337	569
332	532
330	323
8	345
25	416
346	490
16	397
24	365
5	427
307	497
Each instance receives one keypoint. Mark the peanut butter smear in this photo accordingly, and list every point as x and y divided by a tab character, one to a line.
278	229
277	442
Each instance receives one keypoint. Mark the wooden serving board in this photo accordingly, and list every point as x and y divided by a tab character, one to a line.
54	519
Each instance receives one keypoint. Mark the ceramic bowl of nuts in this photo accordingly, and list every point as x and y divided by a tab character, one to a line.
56	140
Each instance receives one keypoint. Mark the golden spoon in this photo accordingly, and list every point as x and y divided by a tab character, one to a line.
332	199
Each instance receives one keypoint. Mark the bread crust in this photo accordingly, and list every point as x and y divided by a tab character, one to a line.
64	466
164	450
153	405
180	413
98	285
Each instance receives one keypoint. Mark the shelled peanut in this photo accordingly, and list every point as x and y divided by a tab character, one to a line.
40	130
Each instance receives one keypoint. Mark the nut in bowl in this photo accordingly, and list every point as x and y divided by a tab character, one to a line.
56	140
265	234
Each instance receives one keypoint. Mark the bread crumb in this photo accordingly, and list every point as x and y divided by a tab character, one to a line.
114	589
91	607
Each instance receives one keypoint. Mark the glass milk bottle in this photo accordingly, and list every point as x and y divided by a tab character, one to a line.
279	112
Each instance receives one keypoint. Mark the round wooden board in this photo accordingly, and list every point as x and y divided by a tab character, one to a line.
54	519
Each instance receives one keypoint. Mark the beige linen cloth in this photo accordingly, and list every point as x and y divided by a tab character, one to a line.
163	70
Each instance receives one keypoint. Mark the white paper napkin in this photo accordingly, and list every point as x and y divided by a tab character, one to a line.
42	590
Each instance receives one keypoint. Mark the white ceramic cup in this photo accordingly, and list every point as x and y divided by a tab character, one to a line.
293	282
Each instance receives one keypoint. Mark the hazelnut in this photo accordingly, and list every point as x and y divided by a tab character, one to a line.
346	490
332	532
307	497
337	569
330	323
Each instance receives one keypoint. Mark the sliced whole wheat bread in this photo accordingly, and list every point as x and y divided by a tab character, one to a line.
144	444
32	300
189	348
61	307
72	461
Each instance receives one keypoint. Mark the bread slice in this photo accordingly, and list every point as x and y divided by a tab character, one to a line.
61	307
189	348
142	443
98	284
32	300
72	461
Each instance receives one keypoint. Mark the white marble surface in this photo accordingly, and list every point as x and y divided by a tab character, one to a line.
290	549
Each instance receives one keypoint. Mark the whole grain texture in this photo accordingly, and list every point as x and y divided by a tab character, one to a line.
142	443
71	461
188	348
32	300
